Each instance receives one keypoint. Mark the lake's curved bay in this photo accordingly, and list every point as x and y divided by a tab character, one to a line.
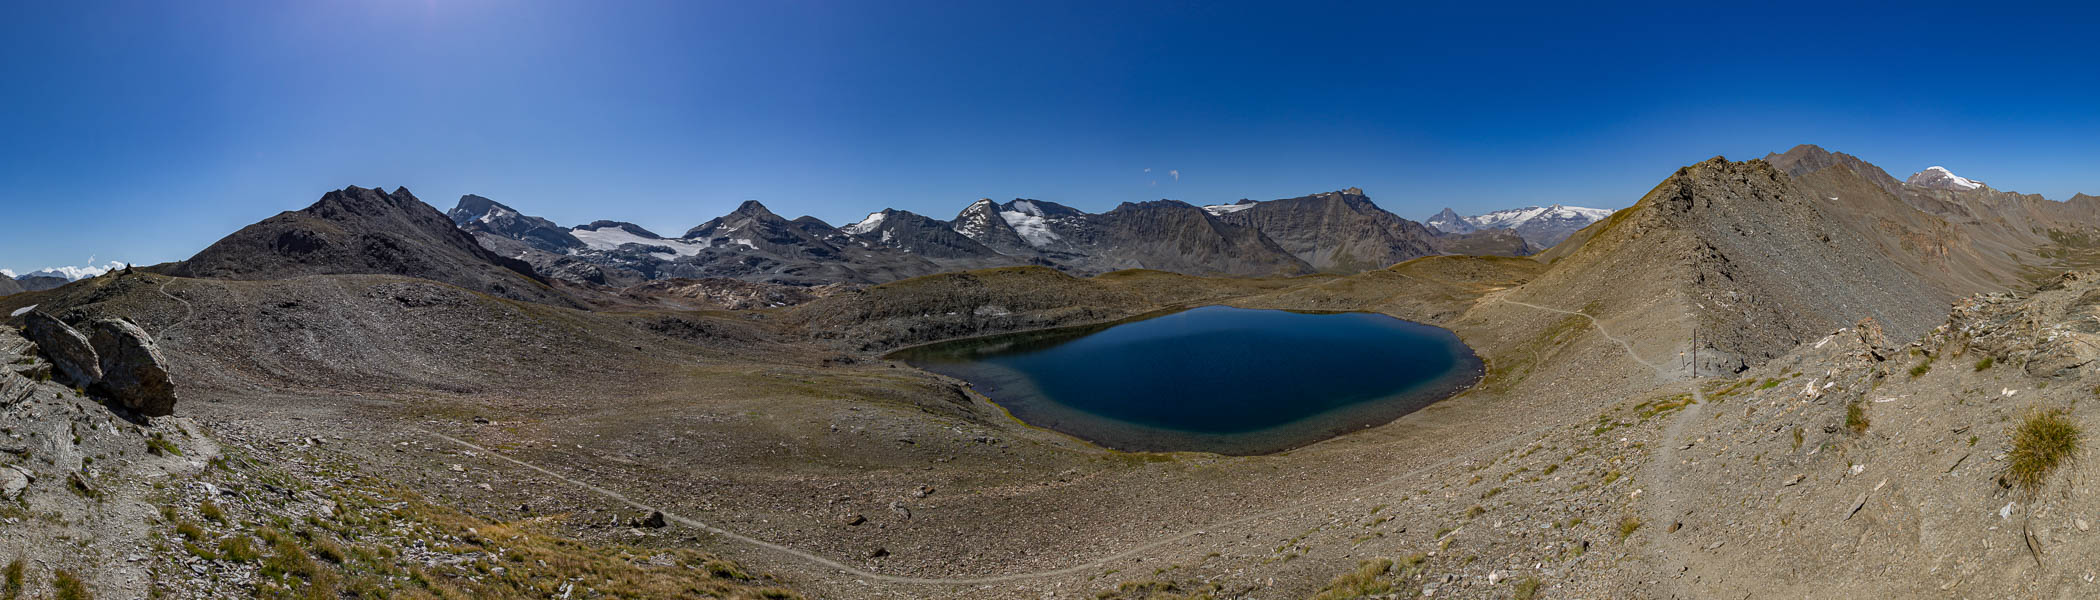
1214	379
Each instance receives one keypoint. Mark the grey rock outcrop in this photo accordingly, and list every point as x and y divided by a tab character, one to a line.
133	371
69	351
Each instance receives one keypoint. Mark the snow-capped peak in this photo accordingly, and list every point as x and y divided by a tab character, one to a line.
1938	177
865	225
1512	218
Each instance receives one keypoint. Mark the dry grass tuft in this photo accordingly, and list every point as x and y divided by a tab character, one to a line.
2041	443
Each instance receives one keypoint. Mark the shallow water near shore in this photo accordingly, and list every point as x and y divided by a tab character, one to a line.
1212	379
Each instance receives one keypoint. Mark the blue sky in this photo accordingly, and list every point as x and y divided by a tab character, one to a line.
143	131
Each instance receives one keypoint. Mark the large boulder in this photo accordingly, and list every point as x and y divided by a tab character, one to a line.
77	363
133	371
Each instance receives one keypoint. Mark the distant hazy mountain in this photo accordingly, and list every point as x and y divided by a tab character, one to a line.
1542	227
52	277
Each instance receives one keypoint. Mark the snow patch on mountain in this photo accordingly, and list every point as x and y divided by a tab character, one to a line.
1938	177
1226	209
496	212
1027	220
1517	217
873	221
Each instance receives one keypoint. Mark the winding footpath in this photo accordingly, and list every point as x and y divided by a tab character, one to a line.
188	312
1082	568
1660	472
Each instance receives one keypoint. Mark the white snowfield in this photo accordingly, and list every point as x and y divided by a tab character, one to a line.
1027	220
1513	218
1224	209
611	238
865	225
1939	176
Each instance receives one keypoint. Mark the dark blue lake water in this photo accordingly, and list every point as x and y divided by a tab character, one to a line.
1213	379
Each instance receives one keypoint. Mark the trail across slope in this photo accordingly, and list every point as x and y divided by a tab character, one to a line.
1085	567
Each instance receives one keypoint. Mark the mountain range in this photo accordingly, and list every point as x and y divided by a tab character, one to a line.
1334	232
1540	227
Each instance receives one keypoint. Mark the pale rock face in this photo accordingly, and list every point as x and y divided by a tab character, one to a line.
66	347
133	371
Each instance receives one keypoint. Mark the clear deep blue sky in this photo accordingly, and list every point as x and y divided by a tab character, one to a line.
144	131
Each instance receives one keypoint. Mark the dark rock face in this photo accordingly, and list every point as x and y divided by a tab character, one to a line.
133	371
8	286
68	349
366	231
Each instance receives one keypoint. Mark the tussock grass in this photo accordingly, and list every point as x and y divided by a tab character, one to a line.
1856	417
1922	368
1528	589
11	589
2040	444
1627	526
1366	580
67	586
1986	363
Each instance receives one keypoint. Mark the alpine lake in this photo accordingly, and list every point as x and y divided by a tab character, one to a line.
1212	379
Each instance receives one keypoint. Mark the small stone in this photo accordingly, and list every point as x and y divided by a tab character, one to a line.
655	520
922	491
878	552
2082	525
1795	480
852	520
457	468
